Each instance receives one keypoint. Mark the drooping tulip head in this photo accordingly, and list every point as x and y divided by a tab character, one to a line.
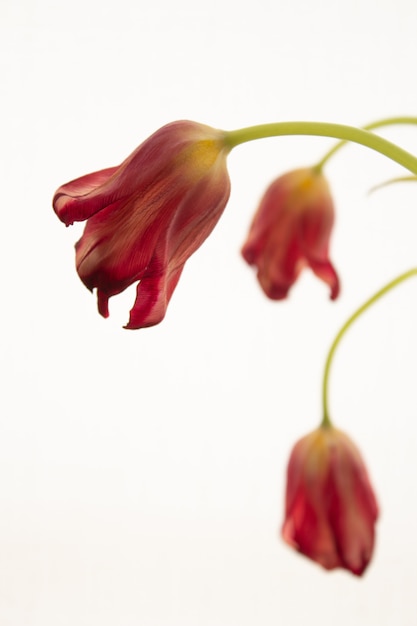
291	230
331	509
146	217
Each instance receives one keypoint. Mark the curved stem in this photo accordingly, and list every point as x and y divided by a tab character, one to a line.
392	181
413	272
323	129
389	121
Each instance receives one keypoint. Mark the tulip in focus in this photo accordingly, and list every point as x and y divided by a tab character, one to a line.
331	508
290	231
146	217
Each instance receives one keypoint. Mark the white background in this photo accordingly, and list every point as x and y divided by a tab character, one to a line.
142	473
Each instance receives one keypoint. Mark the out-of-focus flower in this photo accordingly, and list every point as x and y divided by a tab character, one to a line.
290	231
331	508
147	216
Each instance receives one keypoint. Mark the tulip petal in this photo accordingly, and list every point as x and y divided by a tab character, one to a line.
327	273
152	298
78	200
116	248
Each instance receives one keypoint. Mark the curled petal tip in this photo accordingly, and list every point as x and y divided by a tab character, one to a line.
103	303
335	291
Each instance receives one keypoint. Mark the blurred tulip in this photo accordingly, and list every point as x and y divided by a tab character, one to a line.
331	508
291	230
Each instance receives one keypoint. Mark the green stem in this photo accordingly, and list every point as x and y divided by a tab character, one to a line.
323	129
392	181
413	272
389	121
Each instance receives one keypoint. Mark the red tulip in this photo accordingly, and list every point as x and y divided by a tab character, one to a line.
146	217
331	508
290	231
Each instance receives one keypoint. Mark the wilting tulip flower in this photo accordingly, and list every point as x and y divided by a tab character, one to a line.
146	217
290	231
331	509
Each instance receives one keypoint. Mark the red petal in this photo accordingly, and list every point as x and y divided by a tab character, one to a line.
152	298
194	220
77	200
326	271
